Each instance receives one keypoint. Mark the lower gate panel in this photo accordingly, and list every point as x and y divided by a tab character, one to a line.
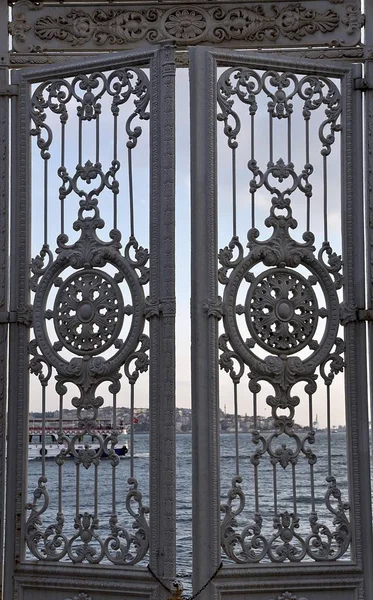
90	586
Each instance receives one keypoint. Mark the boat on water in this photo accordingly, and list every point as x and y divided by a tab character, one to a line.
45	439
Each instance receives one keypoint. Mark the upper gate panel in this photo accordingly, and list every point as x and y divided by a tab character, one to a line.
80	26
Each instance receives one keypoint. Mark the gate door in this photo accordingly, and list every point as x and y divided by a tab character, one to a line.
82	521
277	284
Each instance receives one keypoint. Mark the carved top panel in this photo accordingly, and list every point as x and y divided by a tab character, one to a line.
87	27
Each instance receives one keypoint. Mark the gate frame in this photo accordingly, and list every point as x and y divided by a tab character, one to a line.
199	477
162	544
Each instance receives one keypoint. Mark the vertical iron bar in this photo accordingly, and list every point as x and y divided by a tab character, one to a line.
255	408
96	492
114	423
275	506
77	491
289	138
307	124
130	183
252	158
312	482
234	192
63	133
325	195
97	138
236	428
113	491
60	433
329	429
132	413
294	490
256	486
43	399
115	157
80	141
113	471
45	202
312	474
270	137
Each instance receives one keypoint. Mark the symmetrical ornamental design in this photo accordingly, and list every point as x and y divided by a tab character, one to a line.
88	316
98	286
282	311
37	28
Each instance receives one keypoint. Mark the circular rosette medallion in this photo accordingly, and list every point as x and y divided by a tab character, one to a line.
281	311
88	312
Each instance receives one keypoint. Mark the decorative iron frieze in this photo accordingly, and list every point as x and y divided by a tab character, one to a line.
45	28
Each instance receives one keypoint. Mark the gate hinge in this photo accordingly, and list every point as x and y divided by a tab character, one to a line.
362	84
23	316
349	313
9	90
8	317
365	314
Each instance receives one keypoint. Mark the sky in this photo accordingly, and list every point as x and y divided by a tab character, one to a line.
183	267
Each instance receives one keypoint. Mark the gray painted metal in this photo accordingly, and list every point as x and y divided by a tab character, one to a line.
4	218
309	580
50	32
4	290
51	27
22	580
204	332
40	37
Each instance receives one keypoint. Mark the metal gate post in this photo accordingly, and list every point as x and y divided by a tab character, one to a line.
205	315
368	134
18	339
355	336
4	204
162	322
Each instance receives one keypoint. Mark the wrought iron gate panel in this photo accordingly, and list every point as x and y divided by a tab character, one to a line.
90	301
283	323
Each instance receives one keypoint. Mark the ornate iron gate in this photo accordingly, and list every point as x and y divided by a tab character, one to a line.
91	298
287	312
283	322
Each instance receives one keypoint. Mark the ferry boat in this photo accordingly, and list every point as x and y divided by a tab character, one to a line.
52	448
